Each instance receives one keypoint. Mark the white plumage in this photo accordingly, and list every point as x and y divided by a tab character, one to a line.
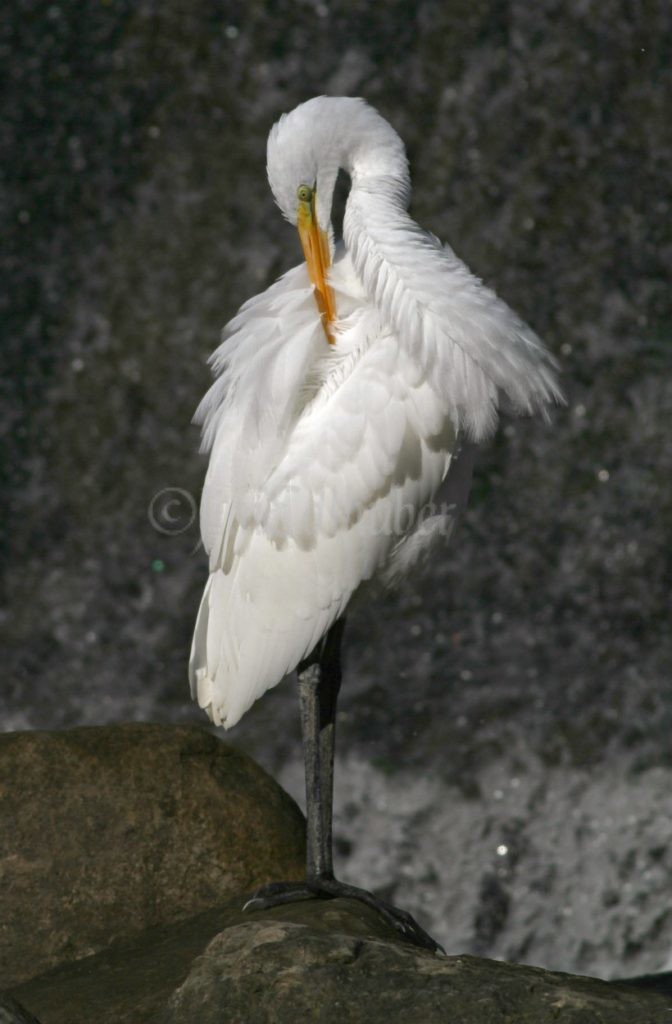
326	459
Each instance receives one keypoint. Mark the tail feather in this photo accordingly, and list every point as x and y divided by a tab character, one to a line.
234	659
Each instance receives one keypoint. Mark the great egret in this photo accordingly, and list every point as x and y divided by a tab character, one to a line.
344	393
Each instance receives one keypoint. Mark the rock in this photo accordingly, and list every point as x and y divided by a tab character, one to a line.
12	1012
289	972
132	981
105	832
318	961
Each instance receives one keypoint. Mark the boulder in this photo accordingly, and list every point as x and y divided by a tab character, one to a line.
131	982
291	972
126	856
319	961
106	832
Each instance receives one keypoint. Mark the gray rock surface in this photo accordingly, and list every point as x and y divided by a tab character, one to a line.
131	982
280	972
318	961
105	832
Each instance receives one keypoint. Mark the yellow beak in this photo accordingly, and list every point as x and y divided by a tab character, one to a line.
315	243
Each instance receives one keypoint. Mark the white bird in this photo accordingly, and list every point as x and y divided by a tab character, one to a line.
348	397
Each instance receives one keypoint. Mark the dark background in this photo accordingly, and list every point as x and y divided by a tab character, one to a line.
536	656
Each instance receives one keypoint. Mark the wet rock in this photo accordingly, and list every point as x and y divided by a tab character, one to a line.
108	831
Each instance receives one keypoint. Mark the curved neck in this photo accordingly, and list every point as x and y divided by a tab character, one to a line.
372	154
385	244
379	166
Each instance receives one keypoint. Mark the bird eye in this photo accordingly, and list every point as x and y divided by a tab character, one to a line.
304	193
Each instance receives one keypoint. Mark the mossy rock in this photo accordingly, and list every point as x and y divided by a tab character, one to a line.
105	832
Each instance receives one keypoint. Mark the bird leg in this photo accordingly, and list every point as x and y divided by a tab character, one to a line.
319	683
319	678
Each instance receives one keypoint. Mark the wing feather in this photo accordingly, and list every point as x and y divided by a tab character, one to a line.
324	459
301	507
457	329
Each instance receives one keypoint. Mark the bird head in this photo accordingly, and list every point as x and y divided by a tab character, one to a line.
304	153
303	158
305	150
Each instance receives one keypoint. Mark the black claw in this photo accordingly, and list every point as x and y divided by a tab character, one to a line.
330	888
279	893
400	920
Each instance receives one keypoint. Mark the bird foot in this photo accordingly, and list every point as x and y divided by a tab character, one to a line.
279	893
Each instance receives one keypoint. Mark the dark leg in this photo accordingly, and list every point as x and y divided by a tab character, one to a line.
319	684
319	678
